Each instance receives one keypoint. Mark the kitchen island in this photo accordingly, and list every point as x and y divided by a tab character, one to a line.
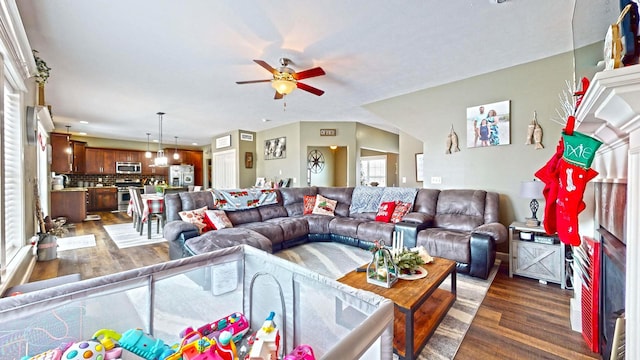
70	203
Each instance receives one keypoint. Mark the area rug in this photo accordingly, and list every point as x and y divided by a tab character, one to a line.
335	260
126	236
76	242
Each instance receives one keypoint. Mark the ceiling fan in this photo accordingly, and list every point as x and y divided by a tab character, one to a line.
285	79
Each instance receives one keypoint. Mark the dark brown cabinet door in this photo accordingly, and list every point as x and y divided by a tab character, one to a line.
103	199
78	157
61	160
100	161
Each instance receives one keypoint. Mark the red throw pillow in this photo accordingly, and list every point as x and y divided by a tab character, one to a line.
385	210
309	203
402	209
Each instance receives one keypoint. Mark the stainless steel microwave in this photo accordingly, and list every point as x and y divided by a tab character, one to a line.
128	167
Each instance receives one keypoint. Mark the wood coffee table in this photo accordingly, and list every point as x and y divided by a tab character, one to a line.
420	305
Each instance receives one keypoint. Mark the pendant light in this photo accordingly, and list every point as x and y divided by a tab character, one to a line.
160	159
68	150
147	154
176	156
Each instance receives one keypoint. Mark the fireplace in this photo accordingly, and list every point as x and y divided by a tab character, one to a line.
610	215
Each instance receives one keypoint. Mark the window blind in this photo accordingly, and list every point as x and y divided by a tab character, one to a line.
14	234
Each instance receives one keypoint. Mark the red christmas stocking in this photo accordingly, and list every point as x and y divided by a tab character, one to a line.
549	176
573	181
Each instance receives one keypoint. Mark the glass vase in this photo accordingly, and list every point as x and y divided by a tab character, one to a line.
381	270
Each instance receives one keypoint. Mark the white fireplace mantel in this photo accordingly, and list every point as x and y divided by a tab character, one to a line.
610	112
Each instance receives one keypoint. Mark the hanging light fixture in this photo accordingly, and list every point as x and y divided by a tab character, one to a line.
160	159
176	156
147	154
68	150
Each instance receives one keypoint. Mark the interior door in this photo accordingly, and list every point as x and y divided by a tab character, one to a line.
224	170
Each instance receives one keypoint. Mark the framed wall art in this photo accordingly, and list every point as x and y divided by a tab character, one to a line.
275	148
419	167
246	137
224	141
489	124
248	160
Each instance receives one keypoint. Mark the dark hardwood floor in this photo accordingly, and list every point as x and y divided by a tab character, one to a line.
518	319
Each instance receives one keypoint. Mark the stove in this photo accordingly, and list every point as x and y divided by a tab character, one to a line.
123	192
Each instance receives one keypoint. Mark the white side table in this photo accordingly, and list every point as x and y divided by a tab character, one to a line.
537	260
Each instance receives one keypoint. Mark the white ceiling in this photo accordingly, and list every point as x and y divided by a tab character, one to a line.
115	63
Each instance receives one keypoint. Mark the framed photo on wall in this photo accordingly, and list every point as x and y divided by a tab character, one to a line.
275	148
419	167
489	124
248	160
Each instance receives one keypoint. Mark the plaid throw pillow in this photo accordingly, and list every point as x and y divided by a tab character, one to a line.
401	209
309	203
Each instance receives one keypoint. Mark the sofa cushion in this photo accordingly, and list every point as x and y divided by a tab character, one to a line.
426	201
324	206
272	211
365	199
446	243
196	217
401	209
244	216
292	198
376	231
308	203
318	224
196	199
385	210
214	240
342	195
217	219
273	232
461	210
292	228
345	226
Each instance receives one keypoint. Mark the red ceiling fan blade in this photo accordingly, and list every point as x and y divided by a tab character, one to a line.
252	81
310	89
317	71
266	66
277	96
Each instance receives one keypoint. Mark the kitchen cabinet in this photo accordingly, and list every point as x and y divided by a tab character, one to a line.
128	155
70	203
149	170
61	156
100	161
102	199
78	151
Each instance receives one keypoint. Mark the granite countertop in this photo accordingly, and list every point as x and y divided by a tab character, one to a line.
69	189
76	188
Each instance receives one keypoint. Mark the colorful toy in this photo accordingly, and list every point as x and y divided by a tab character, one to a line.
301	352
267	341
235	323
226	347
54	354
201	348
143	345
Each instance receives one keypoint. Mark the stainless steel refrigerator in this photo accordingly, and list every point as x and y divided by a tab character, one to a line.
181	175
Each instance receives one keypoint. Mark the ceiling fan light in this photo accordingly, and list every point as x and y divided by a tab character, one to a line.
282	86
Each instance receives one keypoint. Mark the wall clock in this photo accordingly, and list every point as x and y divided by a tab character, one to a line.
315	161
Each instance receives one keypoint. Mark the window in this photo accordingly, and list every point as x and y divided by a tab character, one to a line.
373	169
13	234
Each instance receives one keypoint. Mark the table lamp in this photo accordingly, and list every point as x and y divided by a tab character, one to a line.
532	190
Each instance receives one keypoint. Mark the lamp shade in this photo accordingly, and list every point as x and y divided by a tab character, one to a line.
531	189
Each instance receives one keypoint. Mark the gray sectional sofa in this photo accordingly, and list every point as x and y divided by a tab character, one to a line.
460	225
